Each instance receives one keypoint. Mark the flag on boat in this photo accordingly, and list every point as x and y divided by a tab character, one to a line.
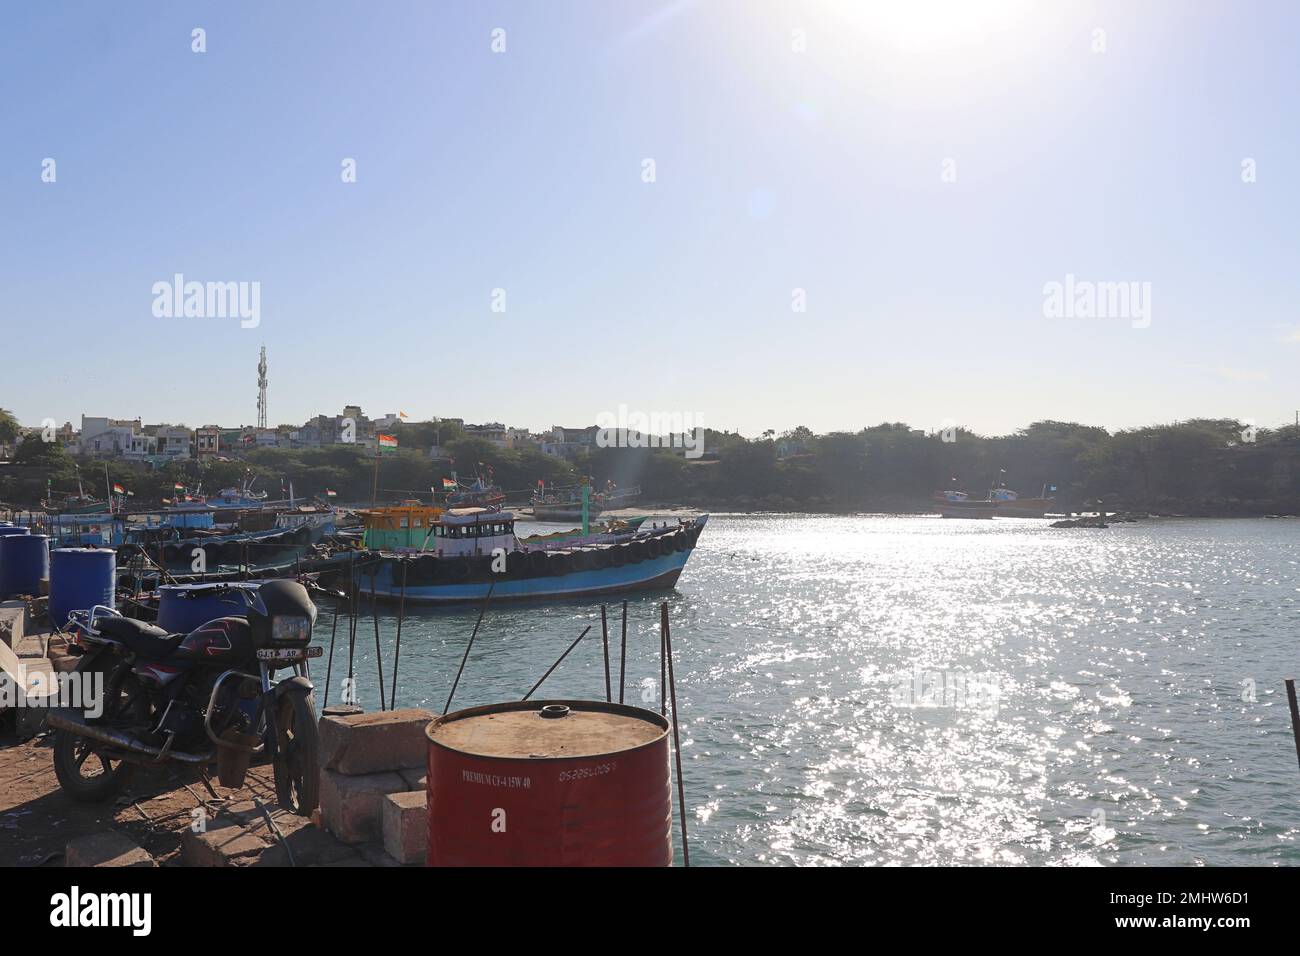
119	490
448	485
331	494
178	487
387	441
403	415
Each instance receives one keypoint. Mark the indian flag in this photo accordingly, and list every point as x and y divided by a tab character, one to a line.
178	487
330	494
387	441
448	485
119	490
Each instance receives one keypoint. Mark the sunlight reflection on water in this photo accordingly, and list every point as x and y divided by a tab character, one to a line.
829	675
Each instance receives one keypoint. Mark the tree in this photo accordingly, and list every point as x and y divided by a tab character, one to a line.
9	427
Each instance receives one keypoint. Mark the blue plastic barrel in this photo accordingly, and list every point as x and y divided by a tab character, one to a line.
183	607
24	560
80	578
7	529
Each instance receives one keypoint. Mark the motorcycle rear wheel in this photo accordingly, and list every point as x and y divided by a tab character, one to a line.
83	770
297	777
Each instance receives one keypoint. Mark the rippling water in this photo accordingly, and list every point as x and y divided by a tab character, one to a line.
903	690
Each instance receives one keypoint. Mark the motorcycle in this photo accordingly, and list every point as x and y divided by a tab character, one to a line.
189	698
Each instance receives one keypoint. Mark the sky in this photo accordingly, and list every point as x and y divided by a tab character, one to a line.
852	214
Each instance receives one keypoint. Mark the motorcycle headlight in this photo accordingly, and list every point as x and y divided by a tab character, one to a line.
290	629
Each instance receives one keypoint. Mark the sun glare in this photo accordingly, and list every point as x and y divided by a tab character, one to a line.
932	26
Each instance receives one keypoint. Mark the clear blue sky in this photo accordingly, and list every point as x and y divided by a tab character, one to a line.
776	170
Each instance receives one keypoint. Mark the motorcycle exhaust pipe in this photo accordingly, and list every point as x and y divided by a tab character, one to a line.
115	738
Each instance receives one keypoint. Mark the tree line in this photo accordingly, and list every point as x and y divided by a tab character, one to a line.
1197	467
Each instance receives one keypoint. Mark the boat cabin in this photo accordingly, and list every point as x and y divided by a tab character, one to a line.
400	526
472	532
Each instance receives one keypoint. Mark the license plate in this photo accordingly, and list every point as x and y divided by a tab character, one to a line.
289	653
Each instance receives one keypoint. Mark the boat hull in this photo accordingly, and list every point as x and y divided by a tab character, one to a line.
652	572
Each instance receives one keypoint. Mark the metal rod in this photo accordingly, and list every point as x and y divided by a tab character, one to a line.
663	660
1295	714
329	664
483	610
557	663
622	657
397	649
604	643
352	626
677	740
379	655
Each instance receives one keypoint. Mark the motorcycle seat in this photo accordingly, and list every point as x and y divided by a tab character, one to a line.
143	638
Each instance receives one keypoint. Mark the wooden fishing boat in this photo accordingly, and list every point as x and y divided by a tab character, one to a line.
957	504
473	550
565	504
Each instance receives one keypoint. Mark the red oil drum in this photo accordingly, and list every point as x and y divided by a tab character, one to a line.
549	783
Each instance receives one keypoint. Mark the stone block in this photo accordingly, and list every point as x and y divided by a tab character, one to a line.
370	743
351	805
416	778
406	826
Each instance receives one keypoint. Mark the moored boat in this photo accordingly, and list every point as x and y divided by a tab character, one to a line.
565	504
1011	505
958	504
473	550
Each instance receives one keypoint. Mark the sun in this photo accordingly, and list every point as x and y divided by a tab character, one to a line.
932	26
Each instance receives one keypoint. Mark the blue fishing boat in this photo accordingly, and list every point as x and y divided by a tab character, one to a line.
469	550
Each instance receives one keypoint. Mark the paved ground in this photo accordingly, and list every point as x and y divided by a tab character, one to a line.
158	811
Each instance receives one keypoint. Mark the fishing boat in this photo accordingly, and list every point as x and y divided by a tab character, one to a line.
958	504
237	498
78	504
480	494
1011	505
474	550
175	548
318	518
565	504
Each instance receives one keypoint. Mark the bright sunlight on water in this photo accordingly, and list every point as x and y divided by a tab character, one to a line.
901	690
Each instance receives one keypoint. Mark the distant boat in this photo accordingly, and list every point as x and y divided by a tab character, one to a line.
1001	502
1011	505
77	505
480	494
236	498
565	504
474	550
958	504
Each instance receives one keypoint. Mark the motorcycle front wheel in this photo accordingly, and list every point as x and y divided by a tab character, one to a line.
297	779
